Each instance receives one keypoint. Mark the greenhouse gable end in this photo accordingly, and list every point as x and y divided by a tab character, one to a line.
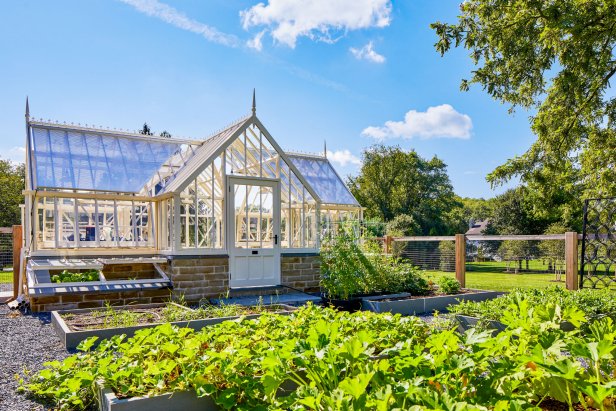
200	217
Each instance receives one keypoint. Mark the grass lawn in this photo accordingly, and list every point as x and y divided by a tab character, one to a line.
6	277
500	281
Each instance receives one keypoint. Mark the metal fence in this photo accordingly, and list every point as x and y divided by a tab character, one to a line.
598	268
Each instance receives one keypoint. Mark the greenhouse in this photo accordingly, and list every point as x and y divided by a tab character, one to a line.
231	211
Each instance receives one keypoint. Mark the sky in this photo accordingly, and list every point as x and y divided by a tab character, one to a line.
351	73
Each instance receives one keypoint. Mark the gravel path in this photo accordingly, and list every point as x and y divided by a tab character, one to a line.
26	341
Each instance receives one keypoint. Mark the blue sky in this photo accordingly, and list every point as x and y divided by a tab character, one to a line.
356	73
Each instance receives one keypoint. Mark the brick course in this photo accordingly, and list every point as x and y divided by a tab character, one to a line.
303	273
93	300
193	279
199	277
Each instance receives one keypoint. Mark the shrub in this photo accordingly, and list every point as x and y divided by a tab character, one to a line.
348	271
344	267
448	285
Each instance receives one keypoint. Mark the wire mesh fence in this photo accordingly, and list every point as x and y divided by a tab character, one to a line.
490	264
6	259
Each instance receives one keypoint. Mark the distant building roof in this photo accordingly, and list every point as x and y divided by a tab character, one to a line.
477	228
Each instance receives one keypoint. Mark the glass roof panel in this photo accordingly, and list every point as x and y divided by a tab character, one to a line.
320	174
85	160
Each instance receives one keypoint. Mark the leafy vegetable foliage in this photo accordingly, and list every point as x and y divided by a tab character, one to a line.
69	277
449	285
322	359
594	304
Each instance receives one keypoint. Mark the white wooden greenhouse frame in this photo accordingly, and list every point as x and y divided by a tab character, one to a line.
99	192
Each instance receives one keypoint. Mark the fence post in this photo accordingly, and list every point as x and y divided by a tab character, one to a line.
17	241
461	259
571	260
387	244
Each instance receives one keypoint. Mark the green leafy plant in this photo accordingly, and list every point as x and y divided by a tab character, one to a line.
449	285
595	304
318	358
344	267
75	277
349	270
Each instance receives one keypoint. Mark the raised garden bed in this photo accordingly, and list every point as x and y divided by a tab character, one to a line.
177	401
407	304
74	326
241	364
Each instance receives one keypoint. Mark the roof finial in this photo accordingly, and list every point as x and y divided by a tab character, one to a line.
325	148
27	108
254	102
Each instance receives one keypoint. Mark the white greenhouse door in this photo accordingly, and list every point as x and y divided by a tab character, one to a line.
253	232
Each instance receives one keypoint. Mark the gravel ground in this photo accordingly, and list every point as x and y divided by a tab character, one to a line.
26	341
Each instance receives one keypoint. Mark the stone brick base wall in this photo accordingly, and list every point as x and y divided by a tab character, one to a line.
128	271
303	272
193	279
93	300
199	277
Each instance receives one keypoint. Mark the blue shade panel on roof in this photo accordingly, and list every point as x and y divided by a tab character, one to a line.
72	159
321	176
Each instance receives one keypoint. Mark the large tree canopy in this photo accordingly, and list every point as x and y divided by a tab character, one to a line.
392	182
555	57
12	181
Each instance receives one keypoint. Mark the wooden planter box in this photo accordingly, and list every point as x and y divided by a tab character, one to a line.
421	305
71	339
466	322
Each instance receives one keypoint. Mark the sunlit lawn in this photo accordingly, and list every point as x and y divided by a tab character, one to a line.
6	277
492	276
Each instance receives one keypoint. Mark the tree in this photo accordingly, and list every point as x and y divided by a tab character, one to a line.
513	213
518	251
467	209
145	130
12	181
555	57
402	225
165	133
554	250
393	181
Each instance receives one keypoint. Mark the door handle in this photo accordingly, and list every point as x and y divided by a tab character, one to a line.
276	239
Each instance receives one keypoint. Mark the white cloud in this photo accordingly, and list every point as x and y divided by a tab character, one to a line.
437	122
168	14
16	154
255	42
320	20
367	53
343	157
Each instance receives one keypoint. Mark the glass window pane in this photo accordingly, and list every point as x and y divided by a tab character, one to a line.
66	213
